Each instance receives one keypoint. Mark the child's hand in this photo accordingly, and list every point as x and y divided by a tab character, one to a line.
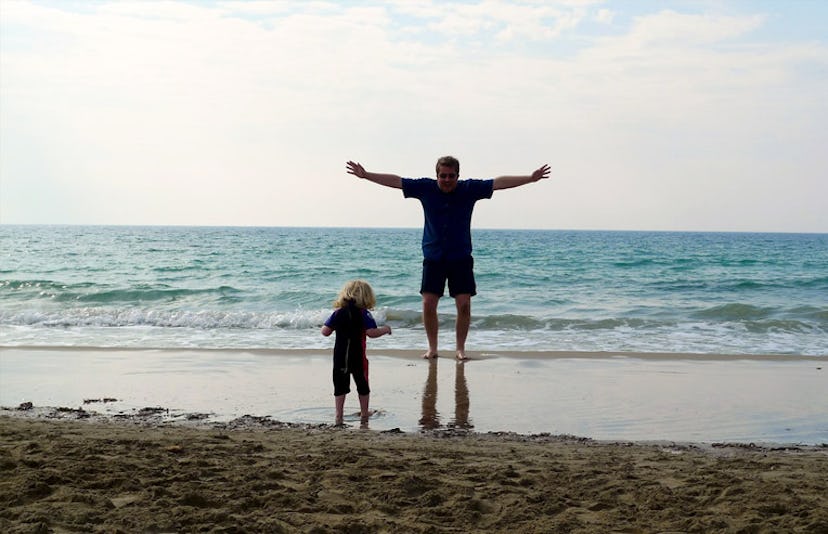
388	330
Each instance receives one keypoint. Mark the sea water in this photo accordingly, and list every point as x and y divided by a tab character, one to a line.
538	290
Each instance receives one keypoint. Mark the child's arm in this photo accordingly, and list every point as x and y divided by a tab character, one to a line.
329	324
377	332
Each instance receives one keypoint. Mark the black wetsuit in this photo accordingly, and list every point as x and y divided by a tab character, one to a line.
349	357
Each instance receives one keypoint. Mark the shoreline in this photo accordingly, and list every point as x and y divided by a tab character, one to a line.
71	476
447	355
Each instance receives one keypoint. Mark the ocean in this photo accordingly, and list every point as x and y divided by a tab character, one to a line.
538	290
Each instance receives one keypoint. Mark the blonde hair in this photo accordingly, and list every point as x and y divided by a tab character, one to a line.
357	291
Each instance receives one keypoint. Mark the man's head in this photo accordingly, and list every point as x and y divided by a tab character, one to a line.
448	171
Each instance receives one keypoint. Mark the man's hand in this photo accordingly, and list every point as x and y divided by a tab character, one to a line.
541	173
356	169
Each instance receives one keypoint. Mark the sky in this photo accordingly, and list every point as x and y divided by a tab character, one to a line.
653	115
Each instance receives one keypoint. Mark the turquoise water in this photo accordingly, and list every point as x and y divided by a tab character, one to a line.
246	288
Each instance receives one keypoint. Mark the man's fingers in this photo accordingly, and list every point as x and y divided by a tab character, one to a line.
355	169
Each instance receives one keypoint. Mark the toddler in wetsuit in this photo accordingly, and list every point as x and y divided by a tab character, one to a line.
352	323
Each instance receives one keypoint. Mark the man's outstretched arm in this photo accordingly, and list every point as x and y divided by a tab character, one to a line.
505	182
388	180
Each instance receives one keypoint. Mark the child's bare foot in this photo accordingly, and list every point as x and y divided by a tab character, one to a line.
429	354
461	355
363	418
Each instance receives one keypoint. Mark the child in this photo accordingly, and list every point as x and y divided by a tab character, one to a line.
352	322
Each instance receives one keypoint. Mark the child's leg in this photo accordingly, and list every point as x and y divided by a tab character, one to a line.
339	401
363	407
360	373
342	386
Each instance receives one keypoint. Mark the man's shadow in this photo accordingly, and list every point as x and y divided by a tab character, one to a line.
430	419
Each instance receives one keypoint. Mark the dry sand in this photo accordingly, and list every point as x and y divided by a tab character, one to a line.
259	476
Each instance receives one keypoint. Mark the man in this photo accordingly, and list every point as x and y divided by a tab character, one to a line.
447	206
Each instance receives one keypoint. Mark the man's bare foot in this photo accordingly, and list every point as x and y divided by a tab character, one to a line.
429	354
461	355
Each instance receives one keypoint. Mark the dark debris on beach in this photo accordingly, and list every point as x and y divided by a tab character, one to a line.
160	416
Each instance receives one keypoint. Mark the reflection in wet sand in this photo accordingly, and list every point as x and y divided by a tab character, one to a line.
461	397
430	418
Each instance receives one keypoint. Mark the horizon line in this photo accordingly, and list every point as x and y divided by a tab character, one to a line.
329	227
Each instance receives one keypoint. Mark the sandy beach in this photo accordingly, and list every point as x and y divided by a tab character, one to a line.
60	474
116	440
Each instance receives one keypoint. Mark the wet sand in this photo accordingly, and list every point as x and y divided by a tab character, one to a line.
637	397
140	474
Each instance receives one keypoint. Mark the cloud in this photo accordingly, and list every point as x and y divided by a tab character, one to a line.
671	29
605	16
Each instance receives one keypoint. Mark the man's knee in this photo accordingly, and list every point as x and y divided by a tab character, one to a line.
430	301
463	303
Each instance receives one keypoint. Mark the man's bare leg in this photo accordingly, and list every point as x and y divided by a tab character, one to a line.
431	323
463	303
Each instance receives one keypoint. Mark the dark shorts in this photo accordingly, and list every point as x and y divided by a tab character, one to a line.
458	273
342	380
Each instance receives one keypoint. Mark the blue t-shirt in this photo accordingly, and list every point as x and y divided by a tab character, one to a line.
447	229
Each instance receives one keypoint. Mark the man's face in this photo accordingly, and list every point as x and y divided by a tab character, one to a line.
446	178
